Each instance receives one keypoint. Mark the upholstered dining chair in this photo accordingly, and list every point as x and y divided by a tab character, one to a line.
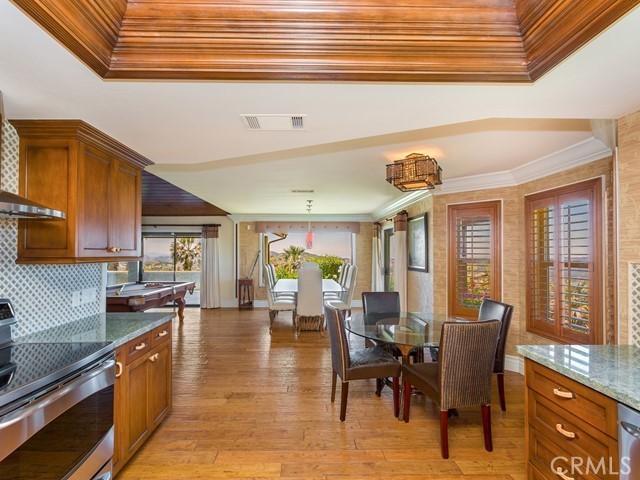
381	302
461	379
343	276
344	300
278	304
493	310
309	304
271	278
358	364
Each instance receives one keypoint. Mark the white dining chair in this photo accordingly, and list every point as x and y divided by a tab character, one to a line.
343	302
310	305
279	304
343	276
271	279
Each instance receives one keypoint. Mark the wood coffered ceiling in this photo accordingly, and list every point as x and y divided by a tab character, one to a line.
351	40
164	199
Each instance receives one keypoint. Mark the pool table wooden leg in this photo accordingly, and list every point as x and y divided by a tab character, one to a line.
181	304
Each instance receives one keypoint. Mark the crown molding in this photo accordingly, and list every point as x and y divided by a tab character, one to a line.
302	217
581	153
393	207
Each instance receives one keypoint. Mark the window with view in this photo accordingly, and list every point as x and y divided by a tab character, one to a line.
167	257
564	264
474	256
329	250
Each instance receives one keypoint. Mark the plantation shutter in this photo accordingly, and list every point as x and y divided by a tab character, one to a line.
564	263
474	270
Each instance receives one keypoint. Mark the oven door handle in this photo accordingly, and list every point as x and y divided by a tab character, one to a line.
18	426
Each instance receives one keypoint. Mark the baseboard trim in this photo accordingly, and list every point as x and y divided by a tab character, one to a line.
514	363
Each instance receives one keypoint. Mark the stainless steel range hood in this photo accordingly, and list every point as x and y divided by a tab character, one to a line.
15	206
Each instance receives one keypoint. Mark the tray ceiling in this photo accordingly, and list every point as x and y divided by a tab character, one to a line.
349	40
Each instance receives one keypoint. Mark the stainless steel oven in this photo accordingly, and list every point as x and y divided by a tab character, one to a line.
63	431
629	442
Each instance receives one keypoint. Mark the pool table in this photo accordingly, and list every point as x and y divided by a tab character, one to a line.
141	296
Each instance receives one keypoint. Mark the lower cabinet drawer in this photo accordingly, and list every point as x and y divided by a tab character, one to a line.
161	334
576	436
137	348
594	408
558	460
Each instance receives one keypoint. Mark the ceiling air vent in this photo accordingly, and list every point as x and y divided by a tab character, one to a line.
273	121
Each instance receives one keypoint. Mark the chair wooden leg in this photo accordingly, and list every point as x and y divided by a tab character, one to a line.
444	433
272	316
503	400
406	400
334	378
396	396
344	394
486	427
379	385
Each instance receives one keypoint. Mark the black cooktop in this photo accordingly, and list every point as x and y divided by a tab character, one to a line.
27	368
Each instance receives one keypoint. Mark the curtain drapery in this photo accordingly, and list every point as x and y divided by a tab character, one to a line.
377	260
399	245
210	271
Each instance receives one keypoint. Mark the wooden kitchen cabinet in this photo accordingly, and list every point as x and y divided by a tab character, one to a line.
71	166
143	391
567	419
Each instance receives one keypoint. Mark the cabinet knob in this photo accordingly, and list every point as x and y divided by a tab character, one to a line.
140	346
154	357
111	249
562	394
561	430
163	333
562	475
118	369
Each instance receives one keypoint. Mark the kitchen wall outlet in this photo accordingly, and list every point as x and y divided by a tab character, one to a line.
89	295
76	298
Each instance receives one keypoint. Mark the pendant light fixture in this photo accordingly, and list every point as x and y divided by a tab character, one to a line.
309	231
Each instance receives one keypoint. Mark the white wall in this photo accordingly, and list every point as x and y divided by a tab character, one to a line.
227	277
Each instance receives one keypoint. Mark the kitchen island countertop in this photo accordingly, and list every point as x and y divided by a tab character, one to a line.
613	370
116	328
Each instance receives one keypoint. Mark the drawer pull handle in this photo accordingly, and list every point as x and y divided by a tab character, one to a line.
140	346
118	369
562	394
564	432
563	475
163	333
154	357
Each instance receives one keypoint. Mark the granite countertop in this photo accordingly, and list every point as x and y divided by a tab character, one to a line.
613	370
118	328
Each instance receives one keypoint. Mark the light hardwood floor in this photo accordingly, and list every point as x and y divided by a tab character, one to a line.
248	405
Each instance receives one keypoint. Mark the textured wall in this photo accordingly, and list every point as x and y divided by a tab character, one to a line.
513	243
420	284
41	294
629	224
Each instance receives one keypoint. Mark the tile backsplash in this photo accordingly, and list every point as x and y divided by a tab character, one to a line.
41	294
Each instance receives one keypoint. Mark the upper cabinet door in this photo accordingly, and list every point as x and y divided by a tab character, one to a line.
93	201
71	166
126	209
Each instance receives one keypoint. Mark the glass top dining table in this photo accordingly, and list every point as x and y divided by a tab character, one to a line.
406	330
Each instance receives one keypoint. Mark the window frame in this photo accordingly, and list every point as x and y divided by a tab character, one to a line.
494	209
557	332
